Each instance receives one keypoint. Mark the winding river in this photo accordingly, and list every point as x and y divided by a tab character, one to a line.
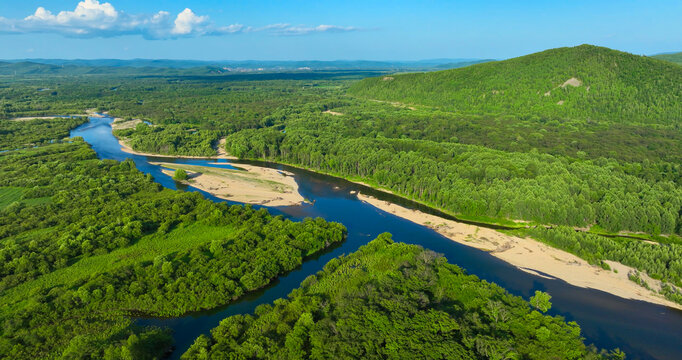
642	330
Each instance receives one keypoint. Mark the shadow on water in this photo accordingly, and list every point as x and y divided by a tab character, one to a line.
642	330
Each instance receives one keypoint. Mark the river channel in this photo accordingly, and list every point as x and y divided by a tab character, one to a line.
641	329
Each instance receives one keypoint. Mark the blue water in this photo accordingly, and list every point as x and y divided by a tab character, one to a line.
642	330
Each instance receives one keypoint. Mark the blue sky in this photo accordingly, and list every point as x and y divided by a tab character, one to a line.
330	30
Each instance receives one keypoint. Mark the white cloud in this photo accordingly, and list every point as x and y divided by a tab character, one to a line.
187	22
89	16
87	11
304	30
92	18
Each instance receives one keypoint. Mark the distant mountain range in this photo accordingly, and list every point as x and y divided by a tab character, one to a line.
197	67
161	67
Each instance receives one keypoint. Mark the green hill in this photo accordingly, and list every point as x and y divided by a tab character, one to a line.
580	82
676	57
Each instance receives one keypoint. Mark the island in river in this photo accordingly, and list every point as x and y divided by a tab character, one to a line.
248	184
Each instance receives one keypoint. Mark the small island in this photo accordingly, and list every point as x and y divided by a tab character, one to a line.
248	184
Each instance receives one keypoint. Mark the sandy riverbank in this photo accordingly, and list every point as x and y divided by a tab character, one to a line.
252	185
533	256
220	149
120	123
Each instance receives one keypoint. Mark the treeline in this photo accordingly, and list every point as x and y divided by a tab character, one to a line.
20	134
609	85
392	300
227	103
653	146
173	139
106	242
478	182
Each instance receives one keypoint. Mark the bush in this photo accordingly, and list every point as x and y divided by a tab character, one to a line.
180	175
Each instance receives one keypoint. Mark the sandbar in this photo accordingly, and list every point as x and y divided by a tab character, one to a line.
251	185
533	256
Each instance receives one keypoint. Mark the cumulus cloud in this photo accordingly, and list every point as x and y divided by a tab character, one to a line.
92	18
188	22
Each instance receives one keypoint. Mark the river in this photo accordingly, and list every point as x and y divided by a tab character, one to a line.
641	329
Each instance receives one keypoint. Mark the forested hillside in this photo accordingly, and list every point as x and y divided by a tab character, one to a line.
585	82
87	243
397	301
676	57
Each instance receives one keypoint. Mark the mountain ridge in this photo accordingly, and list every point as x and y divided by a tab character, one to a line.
585	81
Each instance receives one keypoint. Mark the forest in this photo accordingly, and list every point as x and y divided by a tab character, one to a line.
580	148
88	243
189	113
397	301
15	135
579	82
476	181
589	169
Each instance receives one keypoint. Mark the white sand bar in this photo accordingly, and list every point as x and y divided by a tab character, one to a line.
533	256
252	185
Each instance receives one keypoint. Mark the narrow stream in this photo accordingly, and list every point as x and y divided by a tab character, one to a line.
642	330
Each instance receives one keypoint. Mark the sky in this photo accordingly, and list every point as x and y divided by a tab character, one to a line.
330	30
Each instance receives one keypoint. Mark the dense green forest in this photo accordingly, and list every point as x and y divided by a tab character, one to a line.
580	82
575	138
475	181
489	160
227	102
172	139
608	174
398	301
189	112
15	134
564	140
87	243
